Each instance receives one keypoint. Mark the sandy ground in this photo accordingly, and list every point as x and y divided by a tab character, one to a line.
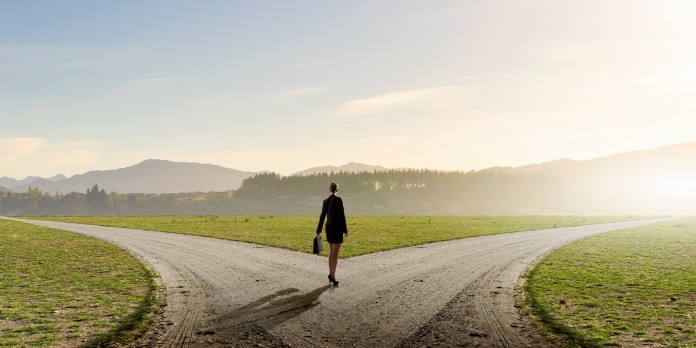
456	293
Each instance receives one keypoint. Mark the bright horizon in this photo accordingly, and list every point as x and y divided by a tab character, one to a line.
687	179
285	86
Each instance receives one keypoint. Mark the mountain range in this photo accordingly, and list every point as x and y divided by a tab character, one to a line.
11	182
666	171
677	156
669	169
150	176
662	179
157	176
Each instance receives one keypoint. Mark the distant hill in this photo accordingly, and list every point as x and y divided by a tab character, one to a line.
12	182
670	154
662	179
58	177
651	181
150	176
4	190
349	167
677	158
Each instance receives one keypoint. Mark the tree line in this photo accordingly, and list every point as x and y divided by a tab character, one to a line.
379	192
412	191
96	201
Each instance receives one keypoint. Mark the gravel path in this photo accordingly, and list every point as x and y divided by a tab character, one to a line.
455	293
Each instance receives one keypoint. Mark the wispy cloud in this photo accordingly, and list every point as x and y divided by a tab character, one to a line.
13	149
297	93
435	97
35	156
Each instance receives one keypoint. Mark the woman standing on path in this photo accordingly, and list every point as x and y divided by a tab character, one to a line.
332	210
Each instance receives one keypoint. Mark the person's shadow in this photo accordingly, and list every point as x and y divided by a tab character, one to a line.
252	322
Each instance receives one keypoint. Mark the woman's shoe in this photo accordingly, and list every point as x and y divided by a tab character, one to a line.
332	281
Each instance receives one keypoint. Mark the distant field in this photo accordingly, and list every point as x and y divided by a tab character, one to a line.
367	234
64	289
628	288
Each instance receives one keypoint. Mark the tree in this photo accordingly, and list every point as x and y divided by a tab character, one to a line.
74	203
97	201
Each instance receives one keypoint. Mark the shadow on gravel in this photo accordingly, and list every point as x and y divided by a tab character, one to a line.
249	325
276	308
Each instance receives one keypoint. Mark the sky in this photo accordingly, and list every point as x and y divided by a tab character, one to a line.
288	85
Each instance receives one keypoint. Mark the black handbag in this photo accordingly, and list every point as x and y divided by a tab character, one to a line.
317	244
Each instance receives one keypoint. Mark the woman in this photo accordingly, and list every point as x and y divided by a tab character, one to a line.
332	210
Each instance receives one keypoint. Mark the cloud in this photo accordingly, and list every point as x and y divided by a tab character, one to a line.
13	149
436	97
297	93
21	157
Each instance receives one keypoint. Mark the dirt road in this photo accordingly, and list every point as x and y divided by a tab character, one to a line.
456	293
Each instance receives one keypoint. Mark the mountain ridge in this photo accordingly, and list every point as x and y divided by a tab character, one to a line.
163	176
149	176
12	182
679	155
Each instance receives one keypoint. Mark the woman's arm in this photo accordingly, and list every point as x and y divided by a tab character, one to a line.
344	225
321	217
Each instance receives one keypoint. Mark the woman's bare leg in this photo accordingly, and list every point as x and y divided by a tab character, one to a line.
333	258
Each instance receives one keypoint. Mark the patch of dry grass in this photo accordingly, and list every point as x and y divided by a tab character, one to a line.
63	289
629	288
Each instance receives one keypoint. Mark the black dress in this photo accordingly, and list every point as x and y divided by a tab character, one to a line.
332	210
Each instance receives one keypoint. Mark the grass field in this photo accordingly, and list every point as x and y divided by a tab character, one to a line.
64	289
628	288
366	233
49	296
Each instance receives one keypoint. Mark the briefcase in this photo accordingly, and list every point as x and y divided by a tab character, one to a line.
317	244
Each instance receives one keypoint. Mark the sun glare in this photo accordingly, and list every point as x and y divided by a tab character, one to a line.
671	190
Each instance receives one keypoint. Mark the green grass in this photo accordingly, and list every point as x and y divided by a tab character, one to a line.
628	288
367	234
64	289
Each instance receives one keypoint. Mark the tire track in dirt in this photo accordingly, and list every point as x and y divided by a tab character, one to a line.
223	293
